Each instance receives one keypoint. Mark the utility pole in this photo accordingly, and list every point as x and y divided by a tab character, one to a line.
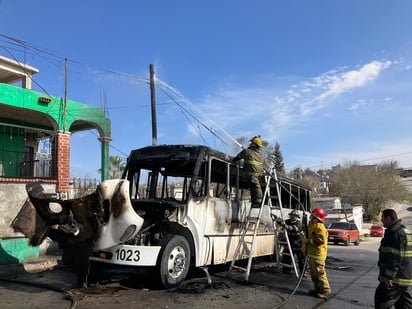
65	94
153	101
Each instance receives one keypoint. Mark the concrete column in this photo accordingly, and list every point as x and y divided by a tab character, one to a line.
27	81
105	157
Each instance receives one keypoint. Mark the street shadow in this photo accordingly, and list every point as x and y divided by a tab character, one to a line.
6	258
14	276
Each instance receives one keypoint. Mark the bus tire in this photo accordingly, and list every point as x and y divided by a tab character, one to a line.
174	260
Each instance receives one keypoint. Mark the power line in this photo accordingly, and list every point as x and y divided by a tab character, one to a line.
169	91
24	70
213	132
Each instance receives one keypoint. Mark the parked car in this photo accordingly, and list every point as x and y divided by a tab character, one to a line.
344	232
376	231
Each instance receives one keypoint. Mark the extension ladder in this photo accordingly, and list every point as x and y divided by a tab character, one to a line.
247	241
284	249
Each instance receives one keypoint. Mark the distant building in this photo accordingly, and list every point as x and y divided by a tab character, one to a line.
328	203
406	172
336	212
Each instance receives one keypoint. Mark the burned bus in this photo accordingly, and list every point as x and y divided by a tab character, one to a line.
176	206
192	202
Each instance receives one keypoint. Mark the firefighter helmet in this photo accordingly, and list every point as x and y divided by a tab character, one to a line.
319	213
294	213
257	141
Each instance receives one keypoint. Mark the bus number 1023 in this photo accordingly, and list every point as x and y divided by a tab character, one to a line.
127	255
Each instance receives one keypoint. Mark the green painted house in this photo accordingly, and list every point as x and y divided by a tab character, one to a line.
35	133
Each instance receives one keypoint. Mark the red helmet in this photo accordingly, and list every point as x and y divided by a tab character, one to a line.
319	213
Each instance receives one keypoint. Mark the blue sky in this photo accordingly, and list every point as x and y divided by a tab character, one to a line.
330	81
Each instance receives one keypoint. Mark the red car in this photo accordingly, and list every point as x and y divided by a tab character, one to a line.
344	232
376	230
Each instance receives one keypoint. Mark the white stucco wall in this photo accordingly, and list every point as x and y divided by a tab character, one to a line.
12	198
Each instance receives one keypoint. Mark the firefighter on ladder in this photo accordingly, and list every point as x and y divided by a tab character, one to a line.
293	227
253	168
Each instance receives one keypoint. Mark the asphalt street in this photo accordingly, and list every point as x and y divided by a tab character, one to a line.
352	272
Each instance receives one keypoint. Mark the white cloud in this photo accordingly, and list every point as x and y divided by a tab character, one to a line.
353	79
362	105
287	114
335	83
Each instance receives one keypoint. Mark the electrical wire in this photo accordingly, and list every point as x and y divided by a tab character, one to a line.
36	50
186	112
165	85
24	70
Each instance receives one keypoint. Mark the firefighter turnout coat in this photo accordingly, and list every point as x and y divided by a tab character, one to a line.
315	242
395	255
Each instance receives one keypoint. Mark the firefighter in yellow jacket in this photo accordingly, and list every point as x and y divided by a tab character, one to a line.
315	245
253	169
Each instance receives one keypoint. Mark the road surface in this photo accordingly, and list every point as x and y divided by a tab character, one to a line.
352	272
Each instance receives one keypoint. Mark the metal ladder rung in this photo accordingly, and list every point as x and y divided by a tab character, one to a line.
287	251
255	221
239	267
246	244
286	265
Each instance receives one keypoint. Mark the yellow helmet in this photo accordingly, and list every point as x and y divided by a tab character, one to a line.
294	213
257	141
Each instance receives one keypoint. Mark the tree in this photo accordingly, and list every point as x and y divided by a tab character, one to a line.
372	186
296	173
306	177
278	160
116	167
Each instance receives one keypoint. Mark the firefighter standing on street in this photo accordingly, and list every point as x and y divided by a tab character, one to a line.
293	227
395	264
253	169
315	244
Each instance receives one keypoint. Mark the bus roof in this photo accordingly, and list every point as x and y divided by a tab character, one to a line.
183	157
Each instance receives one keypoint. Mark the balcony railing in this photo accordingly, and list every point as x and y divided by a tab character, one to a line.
15	164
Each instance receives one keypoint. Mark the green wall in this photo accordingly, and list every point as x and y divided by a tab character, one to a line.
17	250
12	150
58	115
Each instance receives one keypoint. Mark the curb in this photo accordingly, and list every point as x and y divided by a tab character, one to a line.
42	264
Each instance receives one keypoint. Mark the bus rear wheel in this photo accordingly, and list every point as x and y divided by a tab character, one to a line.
174	260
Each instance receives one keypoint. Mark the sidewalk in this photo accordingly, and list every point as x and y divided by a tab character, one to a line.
42	263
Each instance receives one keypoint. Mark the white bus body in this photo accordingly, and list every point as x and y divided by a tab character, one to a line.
193	201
